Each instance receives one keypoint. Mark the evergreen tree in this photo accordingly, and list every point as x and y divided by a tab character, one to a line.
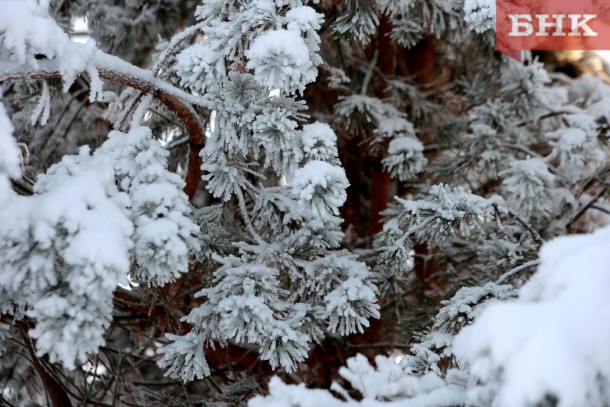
198	189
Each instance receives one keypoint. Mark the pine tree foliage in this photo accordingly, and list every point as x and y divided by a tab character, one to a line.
55	262
282	286
183	196
248	301
446	212
506	179
164	235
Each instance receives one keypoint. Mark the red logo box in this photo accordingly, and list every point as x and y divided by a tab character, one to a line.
552	25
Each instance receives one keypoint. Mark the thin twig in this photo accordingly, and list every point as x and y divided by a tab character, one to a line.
517	269
369	73
522	149
177	143
383	345
601	209
523	222
54	389
585	207
247	220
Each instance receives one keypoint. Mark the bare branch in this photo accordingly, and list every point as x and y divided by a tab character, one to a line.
54	390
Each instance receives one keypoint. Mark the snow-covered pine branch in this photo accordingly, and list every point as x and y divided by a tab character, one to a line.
263	295
111	277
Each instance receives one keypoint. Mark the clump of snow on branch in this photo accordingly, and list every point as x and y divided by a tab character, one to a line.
319	143
55	262
224	179
320	187
480	14
247	304
277	135
577	146
27	33
281	58
530	188
387	383
64	250
352	302
405	158
448	211
550	343
164	234
9	152
197	67
184	358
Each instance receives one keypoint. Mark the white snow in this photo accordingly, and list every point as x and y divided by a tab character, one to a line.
9	152
281	59
480	14
405	158
385	380
303	18
99	216
199	66
65	249
75	219
319	142
320	187
405	145
28	31
529	188
553	340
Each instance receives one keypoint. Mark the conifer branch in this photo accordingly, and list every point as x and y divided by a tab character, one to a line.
171	97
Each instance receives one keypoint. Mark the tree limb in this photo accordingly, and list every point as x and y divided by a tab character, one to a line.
586	207
118	71
56	393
